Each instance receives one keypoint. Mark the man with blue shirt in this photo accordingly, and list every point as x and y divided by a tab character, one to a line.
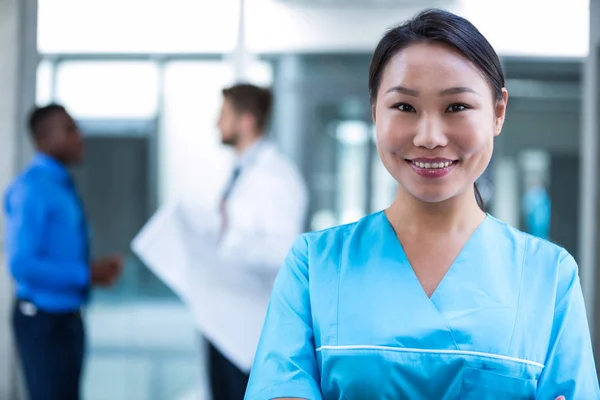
48	254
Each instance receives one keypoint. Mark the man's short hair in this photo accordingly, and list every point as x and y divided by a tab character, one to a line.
247	98
39	117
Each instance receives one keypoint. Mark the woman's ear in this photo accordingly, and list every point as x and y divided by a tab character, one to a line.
373	112
500	111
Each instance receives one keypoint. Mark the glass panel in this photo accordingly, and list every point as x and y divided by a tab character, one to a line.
535	201
353	147
339	175
102	89
383	184
322	171
44	83
142	340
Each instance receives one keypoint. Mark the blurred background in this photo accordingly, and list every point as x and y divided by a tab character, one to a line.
143	80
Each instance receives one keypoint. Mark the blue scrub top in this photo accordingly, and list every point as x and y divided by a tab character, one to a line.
348	319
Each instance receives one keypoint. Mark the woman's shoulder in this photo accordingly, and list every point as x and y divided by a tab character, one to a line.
320	254
536	252
327	246
342	233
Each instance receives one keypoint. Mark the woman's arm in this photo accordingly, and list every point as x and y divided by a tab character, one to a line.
570	370
285	366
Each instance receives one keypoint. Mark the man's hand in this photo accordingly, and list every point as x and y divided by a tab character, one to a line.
104	272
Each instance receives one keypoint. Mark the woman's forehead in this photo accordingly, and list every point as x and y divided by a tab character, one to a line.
431	64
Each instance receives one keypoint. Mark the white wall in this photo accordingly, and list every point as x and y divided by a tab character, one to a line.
17	80
9	43
515	27
137	25
532	27
274	26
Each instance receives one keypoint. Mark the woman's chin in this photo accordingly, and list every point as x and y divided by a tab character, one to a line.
437	195
432	199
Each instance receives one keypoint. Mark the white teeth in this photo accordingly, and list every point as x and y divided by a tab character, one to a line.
432	165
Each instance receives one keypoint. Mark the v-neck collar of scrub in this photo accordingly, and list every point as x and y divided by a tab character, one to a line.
403	258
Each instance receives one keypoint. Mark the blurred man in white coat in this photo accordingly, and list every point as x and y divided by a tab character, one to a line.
261	212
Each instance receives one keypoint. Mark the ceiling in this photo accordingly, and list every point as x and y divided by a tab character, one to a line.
371	3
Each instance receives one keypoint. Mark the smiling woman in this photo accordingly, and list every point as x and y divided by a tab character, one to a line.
431	298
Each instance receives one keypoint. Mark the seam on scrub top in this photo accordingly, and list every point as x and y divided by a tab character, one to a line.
439	313
432	351
512	338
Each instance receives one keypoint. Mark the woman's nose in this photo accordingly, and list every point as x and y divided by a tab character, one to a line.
430	134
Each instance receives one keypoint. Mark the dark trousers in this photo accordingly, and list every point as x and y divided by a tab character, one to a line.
227	382
51	349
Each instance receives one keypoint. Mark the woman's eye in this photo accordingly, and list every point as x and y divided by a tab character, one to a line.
404	107
456	108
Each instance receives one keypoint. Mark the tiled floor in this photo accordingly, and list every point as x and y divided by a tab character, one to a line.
144	350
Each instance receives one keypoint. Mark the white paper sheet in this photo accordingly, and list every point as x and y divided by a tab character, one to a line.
179	245
163	249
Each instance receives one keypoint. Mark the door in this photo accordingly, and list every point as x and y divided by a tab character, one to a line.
115	189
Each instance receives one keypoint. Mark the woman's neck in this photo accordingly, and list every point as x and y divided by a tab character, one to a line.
460	213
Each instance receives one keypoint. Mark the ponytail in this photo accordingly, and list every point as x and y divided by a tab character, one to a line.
478	198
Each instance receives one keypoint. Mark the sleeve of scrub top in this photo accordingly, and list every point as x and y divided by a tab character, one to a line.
285	365
569	369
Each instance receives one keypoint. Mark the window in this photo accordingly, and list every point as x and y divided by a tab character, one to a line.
108	89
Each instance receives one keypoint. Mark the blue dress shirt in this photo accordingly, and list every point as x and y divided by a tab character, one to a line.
46	237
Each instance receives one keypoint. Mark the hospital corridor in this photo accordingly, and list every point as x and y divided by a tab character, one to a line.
299	199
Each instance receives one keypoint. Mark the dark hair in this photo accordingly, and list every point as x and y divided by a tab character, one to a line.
39	117
439	26
479	198
247	98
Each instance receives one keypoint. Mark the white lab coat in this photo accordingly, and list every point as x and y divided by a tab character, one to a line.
232	279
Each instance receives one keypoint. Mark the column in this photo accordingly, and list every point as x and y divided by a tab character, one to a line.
506	200
288	125
590	153
18	22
